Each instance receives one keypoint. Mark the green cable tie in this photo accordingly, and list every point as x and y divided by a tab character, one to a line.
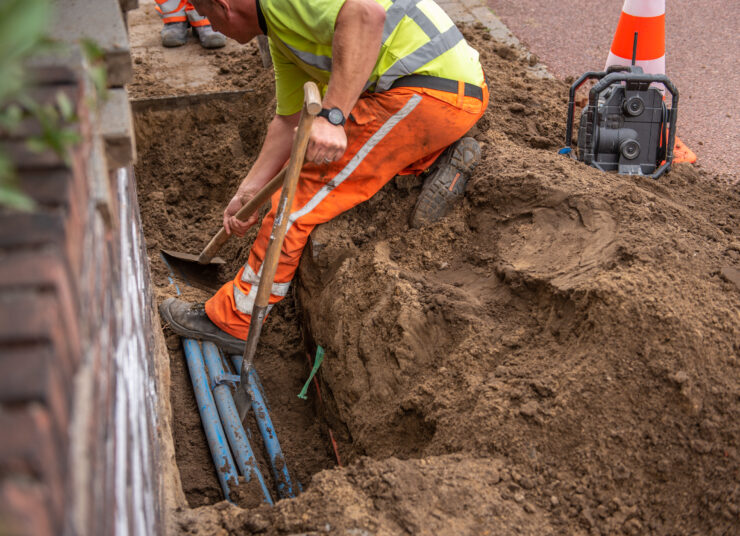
316	364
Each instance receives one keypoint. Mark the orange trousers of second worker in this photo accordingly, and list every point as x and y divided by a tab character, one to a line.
399	131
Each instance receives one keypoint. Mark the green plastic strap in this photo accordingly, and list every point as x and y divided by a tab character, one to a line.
316	364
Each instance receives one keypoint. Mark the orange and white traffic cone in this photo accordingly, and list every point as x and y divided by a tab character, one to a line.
647	19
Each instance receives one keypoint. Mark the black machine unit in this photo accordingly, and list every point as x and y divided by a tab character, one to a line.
626	126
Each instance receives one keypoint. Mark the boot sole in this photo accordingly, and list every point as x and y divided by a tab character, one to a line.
445	184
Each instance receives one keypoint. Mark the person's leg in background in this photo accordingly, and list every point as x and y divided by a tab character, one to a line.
208	37
400	131
172	13
178	16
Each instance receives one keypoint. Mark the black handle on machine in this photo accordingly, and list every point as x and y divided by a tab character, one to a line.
572	102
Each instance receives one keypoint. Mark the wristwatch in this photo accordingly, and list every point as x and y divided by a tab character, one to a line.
333	115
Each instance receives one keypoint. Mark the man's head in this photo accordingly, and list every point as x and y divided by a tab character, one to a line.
234	18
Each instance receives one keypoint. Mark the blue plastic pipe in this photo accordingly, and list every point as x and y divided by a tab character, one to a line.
230	418
267	430
224	463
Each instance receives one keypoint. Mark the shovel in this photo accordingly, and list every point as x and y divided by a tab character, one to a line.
202	270
311	107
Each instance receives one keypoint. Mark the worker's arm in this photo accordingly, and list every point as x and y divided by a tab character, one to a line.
273	155
358	32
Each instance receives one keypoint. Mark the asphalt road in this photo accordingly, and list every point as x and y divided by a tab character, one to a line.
702	51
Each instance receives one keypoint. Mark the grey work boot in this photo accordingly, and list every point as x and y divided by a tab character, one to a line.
190	320
209	38
174	34
446	182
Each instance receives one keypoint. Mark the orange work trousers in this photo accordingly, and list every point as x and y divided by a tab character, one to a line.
399	131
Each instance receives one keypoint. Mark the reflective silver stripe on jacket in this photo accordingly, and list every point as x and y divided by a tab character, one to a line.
314	60
439	43
420	57
245	302
170	7
402	8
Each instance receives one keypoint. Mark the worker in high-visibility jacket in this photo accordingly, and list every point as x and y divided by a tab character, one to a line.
178	16
402	88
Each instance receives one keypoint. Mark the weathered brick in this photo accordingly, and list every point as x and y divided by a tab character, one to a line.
46	272
24	509
34	450
31	373
31	229
46	269
51	227
51	187
35	316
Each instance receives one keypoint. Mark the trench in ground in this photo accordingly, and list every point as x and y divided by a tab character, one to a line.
190	161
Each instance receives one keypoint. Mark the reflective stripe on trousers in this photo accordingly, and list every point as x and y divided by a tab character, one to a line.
245	302
195	18
439	43
170	7
383	141
180	11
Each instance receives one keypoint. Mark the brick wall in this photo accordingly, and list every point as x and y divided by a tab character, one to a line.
78	422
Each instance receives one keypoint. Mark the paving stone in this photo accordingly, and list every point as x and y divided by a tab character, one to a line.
117	128
102	22
498	29
459	14
470	4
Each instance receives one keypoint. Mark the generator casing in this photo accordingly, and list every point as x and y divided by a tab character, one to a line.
631	132
626	126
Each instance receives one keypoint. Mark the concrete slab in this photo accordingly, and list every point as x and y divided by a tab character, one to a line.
102	22
117	129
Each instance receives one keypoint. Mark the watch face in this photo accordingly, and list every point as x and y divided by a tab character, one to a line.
335	116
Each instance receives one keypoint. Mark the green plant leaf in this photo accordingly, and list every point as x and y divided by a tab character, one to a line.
65	106
14	198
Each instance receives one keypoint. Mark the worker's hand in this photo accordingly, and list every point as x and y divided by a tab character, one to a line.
231	223
327	142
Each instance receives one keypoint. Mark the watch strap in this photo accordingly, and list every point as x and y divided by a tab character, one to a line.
325	114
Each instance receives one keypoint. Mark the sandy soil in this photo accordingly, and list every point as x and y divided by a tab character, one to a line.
558	356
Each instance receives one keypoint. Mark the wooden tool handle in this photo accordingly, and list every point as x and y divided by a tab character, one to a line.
213	247
311	107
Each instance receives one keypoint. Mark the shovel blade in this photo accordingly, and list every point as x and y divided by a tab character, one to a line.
243	401
187	267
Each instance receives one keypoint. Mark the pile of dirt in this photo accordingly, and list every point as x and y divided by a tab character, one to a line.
557	356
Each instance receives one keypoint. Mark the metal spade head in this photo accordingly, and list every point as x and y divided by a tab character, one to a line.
192	272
